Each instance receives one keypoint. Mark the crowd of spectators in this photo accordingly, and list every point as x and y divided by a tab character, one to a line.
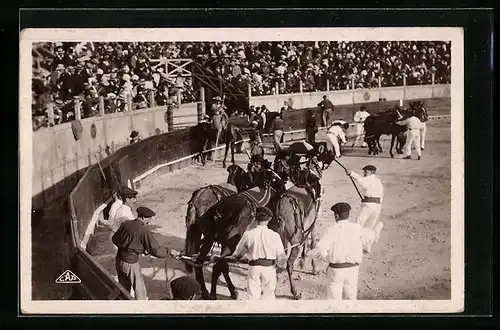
65	73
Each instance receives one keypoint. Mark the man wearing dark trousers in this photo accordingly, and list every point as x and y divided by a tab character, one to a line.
132	239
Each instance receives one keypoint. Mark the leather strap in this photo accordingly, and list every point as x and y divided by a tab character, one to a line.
343	265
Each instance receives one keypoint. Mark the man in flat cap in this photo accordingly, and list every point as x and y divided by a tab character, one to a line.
120	210
342	247
372	190
326	110
264	250
132	239
185	288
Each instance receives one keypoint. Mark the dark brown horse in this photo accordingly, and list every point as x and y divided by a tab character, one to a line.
225	223
232	134
204	198
203	134
295	215
384	123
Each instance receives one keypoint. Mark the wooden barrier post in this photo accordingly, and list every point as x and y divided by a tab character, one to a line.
50	114
433	77
178	98
78	110
328	85
101	106
352	83
129	102
152	99
170	117
301	90
404	90
379	82
276	86
200	107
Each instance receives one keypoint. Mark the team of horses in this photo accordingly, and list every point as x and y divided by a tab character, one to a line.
220	214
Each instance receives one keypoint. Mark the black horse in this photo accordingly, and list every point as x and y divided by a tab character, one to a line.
225	223
384	123
203	134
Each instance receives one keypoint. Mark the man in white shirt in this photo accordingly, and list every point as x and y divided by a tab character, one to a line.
372	190
359	120
335	136
264	249
413	125
342	247
120	210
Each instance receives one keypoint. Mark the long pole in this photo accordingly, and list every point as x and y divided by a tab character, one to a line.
360	196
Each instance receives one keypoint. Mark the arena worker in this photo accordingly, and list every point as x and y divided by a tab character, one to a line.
326	110
372	190
336	135
264	249
359	120
413	126
132	239
120	210
342	247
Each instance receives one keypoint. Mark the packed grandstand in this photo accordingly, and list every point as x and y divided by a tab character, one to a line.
125	74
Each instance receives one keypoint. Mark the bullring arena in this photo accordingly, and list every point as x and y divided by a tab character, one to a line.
82	152
411	260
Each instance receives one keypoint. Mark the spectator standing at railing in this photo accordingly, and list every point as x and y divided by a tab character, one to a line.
326	111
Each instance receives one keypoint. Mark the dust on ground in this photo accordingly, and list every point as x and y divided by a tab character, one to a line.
410	261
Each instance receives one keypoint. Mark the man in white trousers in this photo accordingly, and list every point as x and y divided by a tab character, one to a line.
423	129
335	135
359	122
372	190
342	247
264	250
413	125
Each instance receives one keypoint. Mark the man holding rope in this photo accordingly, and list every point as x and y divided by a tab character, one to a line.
372	192
132	239
264	249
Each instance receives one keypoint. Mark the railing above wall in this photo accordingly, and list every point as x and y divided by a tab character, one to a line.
352	96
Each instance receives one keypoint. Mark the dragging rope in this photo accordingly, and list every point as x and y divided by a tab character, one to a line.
213	259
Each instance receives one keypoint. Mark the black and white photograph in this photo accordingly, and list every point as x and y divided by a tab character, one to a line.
319	169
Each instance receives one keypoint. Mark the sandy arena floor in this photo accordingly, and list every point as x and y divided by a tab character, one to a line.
411	260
